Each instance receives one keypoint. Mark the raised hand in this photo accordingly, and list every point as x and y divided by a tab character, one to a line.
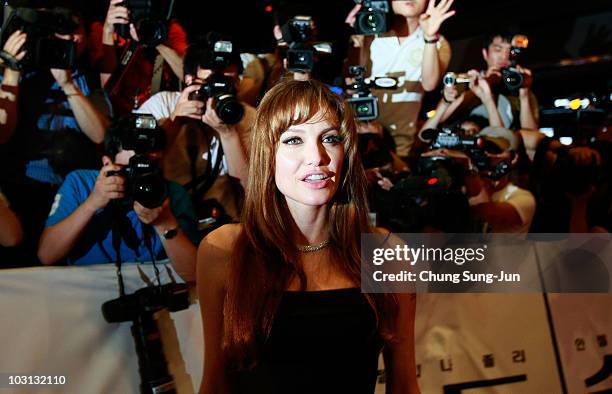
480	86
14	44
211	118
352	16
433	17
107	188
117	14
188	108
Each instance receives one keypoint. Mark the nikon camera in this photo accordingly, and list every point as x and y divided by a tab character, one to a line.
145	182
43	49
220	87
372	17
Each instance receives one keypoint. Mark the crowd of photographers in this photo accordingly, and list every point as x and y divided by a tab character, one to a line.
121	141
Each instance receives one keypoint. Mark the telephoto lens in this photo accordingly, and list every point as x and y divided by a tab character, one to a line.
228	108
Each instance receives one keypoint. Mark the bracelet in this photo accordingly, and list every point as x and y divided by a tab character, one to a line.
433	40
10	60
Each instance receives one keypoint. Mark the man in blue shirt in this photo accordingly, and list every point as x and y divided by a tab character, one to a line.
49	125
86	211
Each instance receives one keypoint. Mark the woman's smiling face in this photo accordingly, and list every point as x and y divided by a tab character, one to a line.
309	159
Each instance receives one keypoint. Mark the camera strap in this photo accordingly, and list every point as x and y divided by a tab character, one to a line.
10	61
204	182
126	58
158	72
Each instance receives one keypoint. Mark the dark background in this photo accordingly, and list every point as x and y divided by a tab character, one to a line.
570	42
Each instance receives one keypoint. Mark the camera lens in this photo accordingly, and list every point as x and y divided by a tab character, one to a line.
363	109
229	109
150	190
512	79
372	22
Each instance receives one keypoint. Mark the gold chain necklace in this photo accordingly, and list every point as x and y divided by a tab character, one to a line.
313	248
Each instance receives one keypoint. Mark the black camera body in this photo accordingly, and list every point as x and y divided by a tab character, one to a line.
364	104
298	34
145	182
298	30
139	308
43	49
300	58
225	102
474	147
150	19
372	17
220	87
512	78
302	48
171	296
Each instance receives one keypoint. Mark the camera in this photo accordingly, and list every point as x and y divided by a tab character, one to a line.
512	79
144	179
145	182
452	79
475	147
220	87
150	19
364	104
299	35
372	17
43	49
139	308
225	103
298	30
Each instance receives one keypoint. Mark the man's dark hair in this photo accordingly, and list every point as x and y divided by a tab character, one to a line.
112	138
506	36
201	54
478	120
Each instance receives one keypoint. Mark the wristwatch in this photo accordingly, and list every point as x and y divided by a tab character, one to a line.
170	233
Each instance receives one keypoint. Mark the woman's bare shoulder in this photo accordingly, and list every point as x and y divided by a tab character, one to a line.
215	252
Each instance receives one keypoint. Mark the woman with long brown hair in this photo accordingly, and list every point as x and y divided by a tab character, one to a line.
280	293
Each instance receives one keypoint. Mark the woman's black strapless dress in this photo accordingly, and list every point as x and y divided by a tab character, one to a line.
321	342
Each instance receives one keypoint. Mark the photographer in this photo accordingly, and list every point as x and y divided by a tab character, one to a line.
496	203
154	66
49	123
196	132
572	186
88	212
414	30
518	107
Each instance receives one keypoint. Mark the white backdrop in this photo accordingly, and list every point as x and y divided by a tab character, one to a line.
52	325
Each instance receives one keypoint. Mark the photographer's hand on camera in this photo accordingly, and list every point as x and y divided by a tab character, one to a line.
482	89
107	188
211	118
10	86
117	14
527	80
528	115
188	108
14	48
